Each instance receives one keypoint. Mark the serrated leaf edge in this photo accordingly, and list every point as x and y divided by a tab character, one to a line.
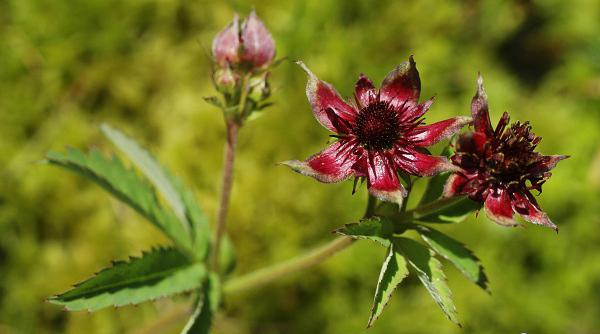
391	254
484	277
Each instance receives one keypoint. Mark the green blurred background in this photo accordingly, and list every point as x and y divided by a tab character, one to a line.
143	66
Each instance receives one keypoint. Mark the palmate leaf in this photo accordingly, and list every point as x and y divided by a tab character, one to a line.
457	253
429	271
179	197
127	186
393	271
150	168
158	273
376	229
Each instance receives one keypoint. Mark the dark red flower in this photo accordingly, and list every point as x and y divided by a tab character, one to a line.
380	134
249	45
500	166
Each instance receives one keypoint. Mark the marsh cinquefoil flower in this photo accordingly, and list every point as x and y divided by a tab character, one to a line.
380	134
248	45
499	167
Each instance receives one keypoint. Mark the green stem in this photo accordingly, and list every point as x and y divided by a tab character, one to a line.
429	208
272	273
301	262
304	261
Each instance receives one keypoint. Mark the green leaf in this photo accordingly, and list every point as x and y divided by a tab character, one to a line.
207	305
158	273
178	196
150	168
201	230
429	271
456	212
435	188
457	253
376	229
435	185
214	101
393	271
125	185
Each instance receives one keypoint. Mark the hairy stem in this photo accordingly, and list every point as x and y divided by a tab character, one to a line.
227	182
233	126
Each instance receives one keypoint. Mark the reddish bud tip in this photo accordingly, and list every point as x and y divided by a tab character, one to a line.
258	47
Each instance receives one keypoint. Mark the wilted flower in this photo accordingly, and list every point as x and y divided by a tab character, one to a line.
500	166
250	46
379	135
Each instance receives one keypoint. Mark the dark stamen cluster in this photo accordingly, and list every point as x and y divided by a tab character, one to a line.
377	126
508	158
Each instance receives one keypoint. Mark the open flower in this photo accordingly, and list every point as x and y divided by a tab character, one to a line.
500	166
249	45
380	134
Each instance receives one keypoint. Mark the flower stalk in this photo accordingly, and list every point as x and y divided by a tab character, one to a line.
226	185
241	53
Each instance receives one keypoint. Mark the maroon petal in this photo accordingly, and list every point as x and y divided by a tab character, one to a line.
498	207
421	164
454	185
480	111
364	91
527	207
428	135
548	162
382	180
471	142
411	113
226	44
327	105
333	164
402	85
258	47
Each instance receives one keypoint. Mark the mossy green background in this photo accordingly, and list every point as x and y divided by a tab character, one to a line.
144	66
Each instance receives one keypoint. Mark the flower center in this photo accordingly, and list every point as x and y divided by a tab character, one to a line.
509	158
377	127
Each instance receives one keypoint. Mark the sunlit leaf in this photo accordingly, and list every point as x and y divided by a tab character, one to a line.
393	271
150	168
156	274
429	271
375	228
457	253
178	196
127	186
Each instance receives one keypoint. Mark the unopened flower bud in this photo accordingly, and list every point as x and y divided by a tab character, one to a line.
226	45
258	47
249	46
226	79
260	89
